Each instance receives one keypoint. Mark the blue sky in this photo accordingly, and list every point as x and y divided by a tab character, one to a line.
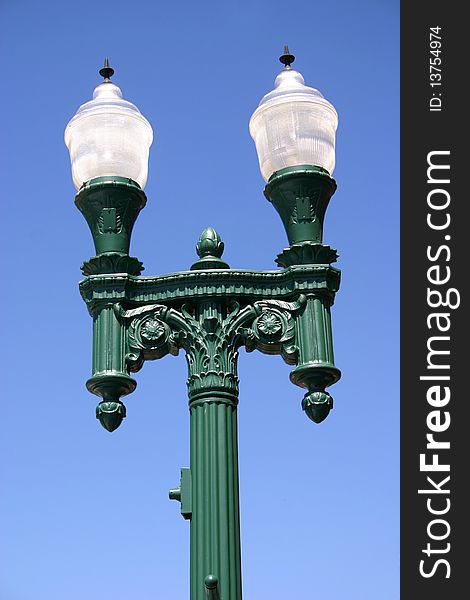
85	514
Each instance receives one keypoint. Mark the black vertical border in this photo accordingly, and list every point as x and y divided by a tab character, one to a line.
423	131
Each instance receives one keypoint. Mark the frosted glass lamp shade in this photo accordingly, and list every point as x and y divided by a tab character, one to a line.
294	125
108	136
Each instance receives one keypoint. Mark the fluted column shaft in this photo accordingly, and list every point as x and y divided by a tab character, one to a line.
215	522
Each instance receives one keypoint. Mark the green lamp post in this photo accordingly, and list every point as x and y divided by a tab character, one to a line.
210	310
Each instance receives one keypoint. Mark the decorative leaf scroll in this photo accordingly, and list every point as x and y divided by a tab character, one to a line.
274	329
210	332
291	307
149	337
148	308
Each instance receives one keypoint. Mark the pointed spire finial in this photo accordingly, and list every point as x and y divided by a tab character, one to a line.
287	59
106	72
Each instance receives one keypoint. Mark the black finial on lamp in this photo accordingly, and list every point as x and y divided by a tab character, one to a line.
106	72
287	59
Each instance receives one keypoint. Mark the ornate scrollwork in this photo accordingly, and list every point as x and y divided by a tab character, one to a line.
149	337
273	330
211	334
211	342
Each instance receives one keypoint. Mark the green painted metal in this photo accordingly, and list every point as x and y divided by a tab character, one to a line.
301	195
209	312
215	521
209	249
110	378
111	206
211	584
315	368
193	286
184	493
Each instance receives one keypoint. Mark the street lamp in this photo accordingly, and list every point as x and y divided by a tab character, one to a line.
210	310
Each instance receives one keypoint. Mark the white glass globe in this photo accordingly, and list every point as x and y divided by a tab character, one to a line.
294	125
108	136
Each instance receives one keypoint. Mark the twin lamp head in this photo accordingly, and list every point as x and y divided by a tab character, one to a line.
293	125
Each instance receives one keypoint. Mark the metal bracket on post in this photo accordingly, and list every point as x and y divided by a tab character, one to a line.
183	493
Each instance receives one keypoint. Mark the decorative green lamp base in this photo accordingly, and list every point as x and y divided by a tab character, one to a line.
111	206
301	195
